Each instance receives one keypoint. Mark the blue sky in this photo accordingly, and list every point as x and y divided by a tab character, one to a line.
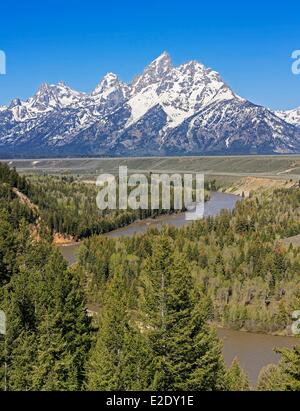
249	43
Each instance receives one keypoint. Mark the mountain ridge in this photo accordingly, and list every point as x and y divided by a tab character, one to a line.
167	110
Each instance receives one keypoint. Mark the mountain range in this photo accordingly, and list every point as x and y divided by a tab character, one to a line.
167	110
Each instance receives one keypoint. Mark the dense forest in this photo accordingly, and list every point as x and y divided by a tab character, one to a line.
236	258
68	206
157	296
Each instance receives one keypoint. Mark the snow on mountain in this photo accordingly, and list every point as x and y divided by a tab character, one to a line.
47	98
152	73
180	91
110	93
235	127
290	116
186	109
55	96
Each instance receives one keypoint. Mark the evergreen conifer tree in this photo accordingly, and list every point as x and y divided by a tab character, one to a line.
186	354
236	379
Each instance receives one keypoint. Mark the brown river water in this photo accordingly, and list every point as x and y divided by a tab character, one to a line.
254	351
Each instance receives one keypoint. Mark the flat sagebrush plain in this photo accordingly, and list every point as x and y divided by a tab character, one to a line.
283	167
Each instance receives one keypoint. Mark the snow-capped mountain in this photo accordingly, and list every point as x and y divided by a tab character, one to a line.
110	93
186	109
180	91
290	116
47	98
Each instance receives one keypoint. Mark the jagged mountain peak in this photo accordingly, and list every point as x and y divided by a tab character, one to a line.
14	103
290	116
109	81
184	109
50	96
110	77
181	91
56	89
44	87
153	73
192	66
161	64
109	94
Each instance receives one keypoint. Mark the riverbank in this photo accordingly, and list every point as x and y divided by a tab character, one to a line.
246	185
64	240
217	202
253	350
282	333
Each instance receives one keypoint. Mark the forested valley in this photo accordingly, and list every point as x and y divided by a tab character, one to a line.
68	206
157	295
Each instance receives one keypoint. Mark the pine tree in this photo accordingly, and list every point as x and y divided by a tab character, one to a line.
236	379
270	379
118	343
22	361
289	367
55	368
135	362
48	332
185	352
282	377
